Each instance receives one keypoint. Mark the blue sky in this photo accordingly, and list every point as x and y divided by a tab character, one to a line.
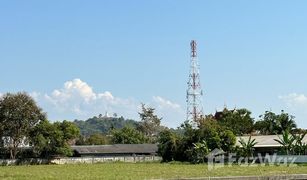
81	58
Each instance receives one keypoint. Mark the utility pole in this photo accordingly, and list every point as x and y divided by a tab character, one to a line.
194	91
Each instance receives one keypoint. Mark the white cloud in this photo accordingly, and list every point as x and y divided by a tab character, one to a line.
164	103
295	100
77	100
171	112
296	104
35	95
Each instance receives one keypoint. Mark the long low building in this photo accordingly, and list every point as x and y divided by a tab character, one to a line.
116	150
265	143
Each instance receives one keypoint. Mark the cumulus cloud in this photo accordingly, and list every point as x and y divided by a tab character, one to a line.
78	100
296	104
171	112
294	99
164	103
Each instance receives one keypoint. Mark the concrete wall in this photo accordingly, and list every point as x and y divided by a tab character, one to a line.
30	161
93	160
80	160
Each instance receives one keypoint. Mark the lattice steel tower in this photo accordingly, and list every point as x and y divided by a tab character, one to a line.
194	92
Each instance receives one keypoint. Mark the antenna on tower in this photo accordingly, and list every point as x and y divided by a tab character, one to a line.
194	91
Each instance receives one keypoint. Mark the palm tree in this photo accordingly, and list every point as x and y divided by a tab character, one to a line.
300	146
285	122
248	147
287	141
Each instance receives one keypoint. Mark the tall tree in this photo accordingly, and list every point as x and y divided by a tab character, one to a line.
19	114
285	122
271	123
267	124
150	123
239	121
97	139
168	145
128	135
54	139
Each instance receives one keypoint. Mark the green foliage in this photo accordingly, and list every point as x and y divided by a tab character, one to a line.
216	135
272	123
18	115
211	136
194	144
200	151
168	145
128	135
103	125
300	148
228	140
150	123
292	144
247	147
69	129
287	142
239	121
53	139
285	122
97	139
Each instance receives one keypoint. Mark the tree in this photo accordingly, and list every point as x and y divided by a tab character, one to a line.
300	147
54	139
247	147
211	135
285	122
215	135
287	141
200	151
128	135
190	142
228	140
267	125
19	114
272	123
239	121
70	131
103	125
168	145
150	123
97	139
185	145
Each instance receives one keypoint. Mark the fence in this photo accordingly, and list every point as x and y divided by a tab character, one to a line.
80	160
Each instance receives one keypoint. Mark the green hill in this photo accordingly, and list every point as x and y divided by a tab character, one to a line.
103	124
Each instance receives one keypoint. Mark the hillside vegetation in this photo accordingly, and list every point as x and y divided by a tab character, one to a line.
103	125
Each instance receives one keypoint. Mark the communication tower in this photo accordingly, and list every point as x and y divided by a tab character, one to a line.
194	91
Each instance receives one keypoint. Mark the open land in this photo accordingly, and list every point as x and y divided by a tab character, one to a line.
140	171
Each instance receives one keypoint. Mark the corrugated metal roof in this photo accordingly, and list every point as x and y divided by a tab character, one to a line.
265	141
117	149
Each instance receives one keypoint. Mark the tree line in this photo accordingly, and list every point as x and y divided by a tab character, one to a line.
219	131
23	122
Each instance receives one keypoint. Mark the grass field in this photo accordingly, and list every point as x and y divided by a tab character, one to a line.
137	171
